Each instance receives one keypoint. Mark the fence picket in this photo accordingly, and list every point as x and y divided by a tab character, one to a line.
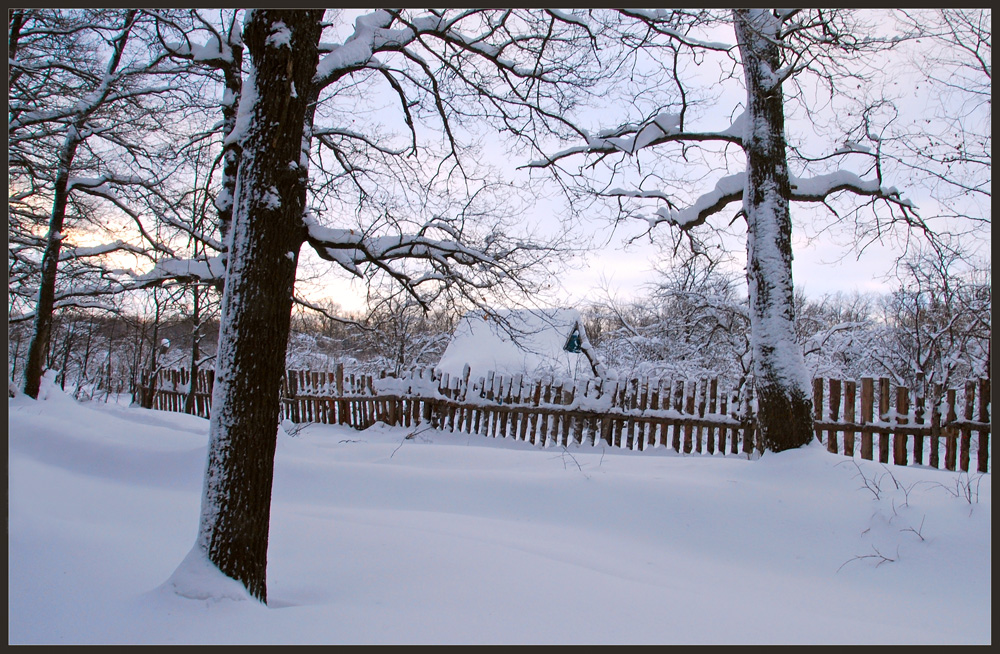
831	435
883	411
536	397
654	404
723	411
690	389
984	417
867	409
675	433
970	401
918	419
950	433
850	393
713	396
642	427
935	437
630	436
734	431
702	391
748	427
899	454
818	405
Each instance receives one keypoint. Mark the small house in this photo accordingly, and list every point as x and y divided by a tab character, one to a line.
535	343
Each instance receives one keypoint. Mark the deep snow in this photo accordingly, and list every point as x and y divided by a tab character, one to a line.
445	538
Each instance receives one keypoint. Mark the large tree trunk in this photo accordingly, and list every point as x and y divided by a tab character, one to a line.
784	406
268	232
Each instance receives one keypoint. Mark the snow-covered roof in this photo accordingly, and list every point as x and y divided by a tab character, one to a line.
529	342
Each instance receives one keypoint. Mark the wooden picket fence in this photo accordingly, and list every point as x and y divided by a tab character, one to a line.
867	419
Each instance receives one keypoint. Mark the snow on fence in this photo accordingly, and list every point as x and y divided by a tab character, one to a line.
867	419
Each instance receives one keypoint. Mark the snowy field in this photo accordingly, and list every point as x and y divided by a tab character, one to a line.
440	538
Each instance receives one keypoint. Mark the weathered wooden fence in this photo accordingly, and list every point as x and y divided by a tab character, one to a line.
867	419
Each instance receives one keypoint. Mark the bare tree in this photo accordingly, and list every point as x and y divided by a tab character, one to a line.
939	320
691	322
447	65
402	335
75	114
949	149
783	57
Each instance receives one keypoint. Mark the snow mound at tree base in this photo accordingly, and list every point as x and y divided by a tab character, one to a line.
198	578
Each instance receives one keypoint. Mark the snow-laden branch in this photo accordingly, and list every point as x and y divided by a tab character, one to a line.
84	108
370	35
391	31
727	190
730	189
657	20
70	303
424	264
86	296
100	184
69	252
324	134
95	98
630	139
818	341
820	187
350	248
215	52
209	270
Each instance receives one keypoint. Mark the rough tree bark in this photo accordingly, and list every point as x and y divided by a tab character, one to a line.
782	383
268	232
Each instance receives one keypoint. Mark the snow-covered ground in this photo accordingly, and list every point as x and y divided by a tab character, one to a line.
444	538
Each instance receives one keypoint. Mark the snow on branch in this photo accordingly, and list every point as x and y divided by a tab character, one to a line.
100	184
392	31
370	35
630	138
448	262
729	189
70	252
324	134
657	20
817	189
211	270
349	248
102	192
74	302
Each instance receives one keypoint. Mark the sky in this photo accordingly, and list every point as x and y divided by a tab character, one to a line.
821	265
441	538
824	260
